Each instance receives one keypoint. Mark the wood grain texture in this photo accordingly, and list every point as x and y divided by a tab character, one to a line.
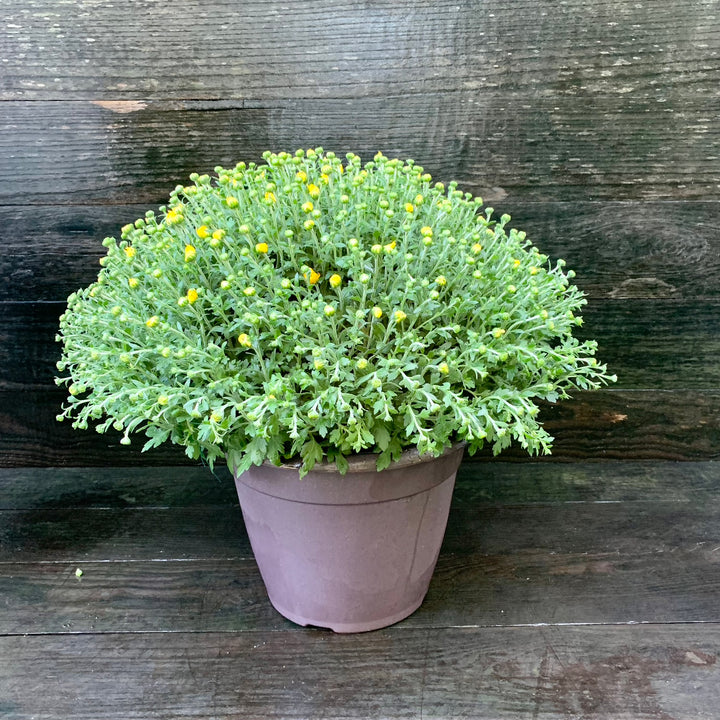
178	571
605	425
485	483
550	149
648	672
353	48
620	250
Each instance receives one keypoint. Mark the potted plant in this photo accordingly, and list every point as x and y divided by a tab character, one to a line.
340	333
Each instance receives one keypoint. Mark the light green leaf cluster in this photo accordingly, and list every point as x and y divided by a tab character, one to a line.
311	307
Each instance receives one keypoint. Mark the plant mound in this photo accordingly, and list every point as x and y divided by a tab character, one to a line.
309	308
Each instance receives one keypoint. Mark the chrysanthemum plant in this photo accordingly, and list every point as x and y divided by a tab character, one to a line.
311	308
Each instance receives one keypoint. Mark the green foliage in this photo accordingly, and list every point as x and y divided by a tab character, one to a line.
312	308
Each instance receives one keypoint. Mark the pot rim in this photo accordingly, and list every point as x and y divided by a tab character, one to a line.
367	462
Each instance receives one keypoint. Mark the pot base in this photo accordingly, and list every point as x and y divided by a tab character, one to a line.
348	627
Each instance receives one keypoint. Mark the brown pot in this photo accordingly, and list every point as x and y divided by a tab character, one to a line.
351	552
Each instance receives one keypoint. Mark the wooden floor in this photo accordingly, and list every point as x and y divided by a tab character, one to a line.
564	590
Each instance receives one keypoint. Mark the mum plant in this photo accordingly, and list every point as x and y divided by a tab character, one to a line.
311	308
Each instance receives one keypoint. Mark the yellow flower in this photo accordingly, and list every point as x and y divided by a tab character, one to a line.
335	280
153	321
325	178
516	263
377	312
319	364
476	248
133	282
231	202
312	277
163	400
174	215
390	247
270	197
314	191
441	280
218	234
419	199
249	291
361	364
261	248
399	316
192	295
190	253
498	332
309	224
203	232
307	207
426	231
244	340
444	368
409	208
130	252
301	175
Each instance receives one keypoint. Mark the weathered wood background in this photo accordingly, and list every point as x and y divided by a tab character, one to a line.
596	125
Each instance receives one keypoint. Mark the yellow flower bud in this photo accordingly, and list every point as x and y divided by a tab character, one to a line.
377	312
376	249
441	280
249	291
335	280
218	234
309	224
244	340
498	332
133	282
444	368
329	310
192	295
399	316
261	248
231	202
301	175
307	207
130	252
390	247
163	400
409	208
476	248
153	321
270	197
203	232
190	253
314	191
426	231
312	277
361	364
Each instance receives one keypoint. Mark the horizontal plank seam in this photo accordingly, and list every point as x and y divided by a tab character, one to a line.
395	629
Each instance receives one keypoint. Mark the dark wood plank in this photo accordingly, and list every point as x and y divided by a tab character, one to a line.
555	148
171	569
608	673
113	487
478	483
633	250
604	425
266	50
646	343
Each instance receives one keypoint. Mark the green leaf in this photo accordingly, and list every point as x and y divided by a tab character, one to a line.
381	435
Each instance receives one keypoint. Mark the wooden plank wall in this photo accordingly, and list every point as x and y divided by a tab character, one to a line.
596	125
